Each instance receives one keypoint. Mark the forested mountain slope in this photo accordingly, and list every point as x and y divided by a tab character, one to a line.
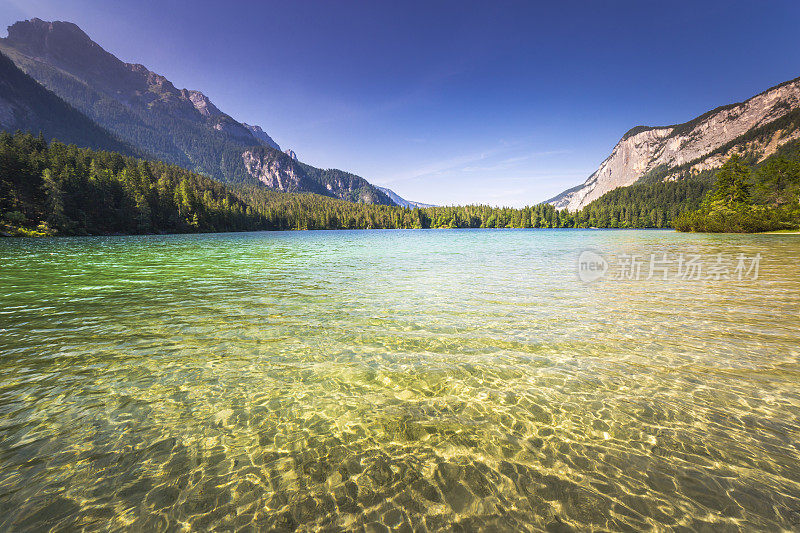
147	111
25	105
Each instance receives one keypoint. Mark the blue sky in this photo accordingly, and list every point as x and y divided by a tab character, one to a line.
451	102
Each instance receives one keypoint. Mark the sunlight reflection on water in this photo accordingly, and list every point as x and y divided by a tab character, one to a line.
403	379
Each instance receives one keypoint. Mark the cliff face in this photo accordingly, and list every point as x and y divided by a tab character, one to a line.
277	172
281	171
756	125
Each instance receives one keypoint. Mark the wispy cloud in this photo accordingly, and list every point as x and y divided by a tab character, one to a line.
444	165
477	161
513	161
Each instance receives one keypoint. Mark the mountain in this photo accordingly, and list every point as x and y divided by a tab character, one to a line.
757	127
25	105
261	136
147	111
282	172
345	185
291	154
402	202
140	106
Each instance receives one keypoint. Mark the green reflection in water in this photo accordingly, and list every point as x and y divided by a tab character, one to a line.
424	380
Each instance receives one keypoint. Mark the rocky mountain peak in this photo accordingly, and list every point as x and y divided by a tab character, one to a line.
59	42
261	136
155	82
290	153
201	102
68	48
36	31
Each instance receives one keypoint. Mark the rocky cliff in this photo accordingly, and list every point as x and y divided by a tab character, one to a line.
756	126
277	171
283	172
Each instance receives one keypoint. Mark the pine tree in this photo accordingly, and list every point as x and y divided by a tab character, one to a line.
55	199
731	188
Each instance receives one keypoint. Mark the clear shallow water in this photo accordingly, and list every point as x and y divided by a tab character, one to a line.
417	380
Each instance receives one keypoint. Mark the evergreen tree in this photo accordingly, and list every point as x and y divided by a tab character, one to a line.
731	188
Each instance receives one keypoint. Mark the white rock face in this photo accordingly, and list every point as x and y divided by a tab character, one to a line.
692	142
201	103
271	172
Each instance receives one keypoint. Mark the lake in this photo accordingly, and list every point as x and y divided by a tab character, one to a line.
400	380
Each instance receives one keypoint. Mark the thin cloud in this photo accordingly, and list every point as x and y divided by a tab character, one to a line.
439	167
512	161
467	162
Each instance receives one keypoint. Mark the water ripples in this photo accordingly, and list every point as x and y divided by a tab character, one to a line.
404	381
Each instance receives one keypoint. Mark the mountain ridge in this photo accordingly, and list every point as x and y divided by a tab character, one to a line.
399	200
144	109
688	149
26	105
261	136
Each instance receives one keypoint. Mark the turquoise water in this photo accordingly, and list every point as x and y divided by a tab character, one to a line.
395	380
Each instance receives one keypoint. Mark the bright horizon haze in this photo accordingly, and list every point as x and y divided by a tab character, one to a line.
450	102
